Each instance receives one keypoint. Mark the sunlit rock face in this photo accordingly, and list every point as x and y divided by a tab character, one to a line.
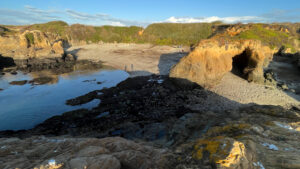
211	59
31	44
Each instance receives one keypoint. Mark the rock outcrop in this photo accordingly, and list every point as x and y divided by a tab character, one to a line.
71	153
31	44
212	58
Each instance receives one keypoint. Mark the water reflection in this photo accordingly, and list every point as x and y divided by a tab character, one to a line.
23	107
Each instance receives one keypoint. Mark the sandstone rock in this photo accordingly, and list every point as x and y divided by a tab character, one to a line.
29	44
57	47
208	63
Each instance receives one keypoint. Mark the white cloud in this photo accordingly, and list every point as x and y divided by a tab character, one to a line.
116	24
103	19
244	19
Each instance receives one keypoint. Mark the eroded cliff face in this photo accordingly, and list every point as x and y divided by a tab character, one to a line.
31	44
212	58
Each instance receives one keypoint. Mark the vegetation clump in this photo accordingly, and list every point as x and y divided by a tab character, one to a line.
104	33
273	38
6	31
30	38
176	33
274	35
56	27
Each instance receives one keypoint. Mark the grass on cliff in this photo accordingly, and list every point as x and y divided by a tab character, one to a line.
4	30
56	27
175	33
104	33
30	38
270	37
167	33
160	33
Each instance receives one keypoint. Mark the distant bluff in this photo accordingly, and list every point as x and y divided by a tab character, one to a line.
50	38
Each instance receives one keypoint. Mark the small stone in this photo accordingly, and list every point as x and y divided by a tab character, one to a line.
22	82
284	87
14	73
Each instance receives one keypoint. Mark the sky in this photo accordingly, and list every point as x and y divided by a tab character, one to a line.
144	12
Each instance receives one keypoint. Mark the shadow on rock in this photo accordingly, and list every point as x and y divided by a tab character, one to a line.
166	61
6	62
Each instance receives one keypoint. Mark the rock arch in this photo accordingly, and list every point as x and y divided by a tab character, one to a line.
212	58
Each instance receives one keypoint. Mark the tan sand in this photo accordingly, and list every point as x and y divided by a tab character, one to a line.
137	59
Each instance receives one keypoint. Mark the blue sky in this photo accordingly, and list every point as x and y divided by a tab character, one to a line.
143	12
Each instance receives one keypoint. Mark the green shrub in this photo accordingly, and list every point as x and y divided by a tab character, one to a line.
104	33
30	38
270	37
4	30
56	27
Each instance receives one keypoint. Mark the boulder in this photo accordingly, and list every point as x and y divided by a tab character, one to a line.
212	58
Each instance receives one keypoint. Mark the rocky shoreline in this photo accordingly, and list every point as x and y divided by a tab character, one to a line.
183	124
61	65
154	111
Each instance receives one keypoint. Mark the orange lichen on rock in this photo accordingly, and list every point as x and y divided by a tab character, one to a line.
209	145
235	155
223	151
227	129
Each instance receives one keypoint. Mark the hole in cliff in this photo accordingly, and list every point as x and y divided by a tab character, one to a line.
240	62
6	62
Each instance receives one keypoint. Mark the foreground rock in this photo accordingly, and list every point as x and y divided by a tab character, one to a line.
71	153
211	59
253	137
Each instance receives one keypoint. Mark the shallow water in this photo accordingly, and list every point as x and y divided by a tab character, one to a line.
23	107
